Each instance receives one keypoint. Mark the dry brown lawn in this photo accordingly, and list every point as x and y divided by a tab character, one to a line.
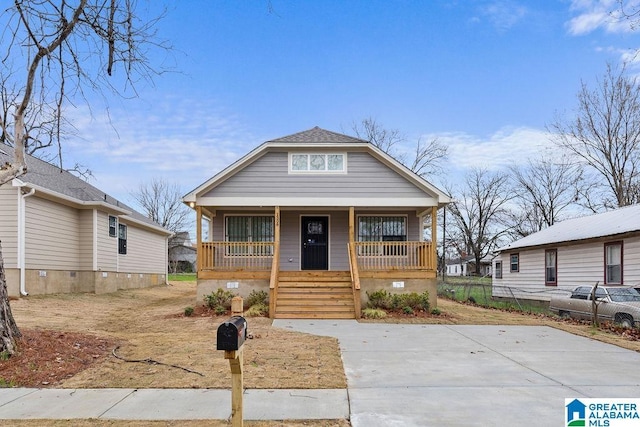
150	324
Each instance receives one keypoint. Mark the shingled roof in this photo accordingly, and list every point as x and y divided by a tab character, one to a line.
48	177
318	135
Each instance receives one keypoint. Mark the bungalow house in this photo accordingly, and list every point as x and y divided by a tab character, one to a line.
317	219
602	248
61	235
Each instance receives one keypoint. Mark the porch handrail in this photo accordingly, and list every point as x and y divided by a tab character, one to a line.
355	278
236	255
353	266
273	281
393	255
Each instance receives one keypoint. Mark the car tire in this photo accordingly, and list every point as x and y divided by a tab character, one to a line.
624	320
564	314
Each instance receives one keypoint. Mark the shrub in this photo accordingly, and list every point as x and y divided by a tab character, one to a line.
257	310
379	299
398	302
257	298
412	300
407	310
373	313
436	311
219	301
188	311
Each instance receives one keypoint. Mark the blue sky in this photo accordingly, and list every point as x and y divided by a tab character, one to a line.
483	76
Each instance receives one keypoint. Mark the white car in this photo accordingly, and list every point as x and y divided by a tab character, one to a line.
619	304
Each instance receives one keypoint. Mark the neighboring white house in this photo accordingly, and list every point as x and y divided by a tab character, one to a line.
182	253
466	266
60	235
602	248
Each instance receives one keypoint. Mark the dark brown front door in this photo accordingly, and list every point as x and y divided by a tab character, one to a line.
315	248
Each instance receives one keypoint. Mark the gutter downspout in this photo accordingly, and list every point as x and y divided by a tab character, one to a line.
22	221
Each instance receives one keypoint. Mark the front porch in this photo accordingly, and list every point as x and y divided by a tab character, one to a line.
336	289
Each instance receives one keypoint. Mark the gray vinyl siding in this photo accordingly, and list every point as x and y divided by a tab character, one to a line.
290	240
52	236
578	264
146	252
107	246
268	176
9	224
86	240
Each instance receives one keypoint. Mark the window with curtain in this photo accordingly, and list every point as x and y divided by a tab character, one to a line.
514	263
498	270
613	263
551	267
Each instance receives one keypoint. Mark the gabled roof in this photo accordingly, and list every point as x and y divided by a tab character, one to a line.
318	138
318	135
619	221
58	184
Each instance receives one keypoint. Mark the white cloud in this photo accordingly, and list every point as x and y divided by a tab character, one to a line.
599	14
182	141
508	146
504	14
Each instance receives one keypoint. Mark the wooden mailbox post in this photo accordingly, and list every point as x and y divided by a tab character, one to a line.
231	337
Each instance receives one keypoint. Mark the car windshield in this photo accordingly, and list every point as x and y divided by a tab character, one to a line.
624	295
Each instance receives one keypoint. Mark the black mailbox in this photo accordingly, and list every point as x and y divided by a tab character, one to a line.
232	333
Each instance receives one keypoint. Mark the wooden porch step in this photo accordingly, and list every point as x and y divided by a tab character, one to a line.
314	295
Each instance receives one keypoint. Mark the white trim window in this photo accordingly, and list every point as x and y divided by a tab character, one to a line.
113	226
317	162
613	263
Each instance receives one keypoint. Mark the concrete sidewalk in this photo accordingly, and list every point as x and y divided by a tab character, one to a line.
170	404
397	375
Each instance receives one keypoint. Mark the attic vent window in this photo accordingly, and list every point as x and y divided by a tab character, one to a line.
317	162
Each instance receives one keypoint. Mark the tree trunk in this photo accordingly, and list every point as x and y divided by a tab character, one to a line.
8	328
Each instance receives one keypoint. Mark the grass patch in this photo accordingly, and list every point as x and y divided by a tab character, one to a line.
183	277
478	291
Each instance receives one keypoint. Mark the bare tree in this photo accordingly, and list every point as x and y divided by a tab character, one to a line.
425	159
45	64
479	213
604	136
162	202
545	188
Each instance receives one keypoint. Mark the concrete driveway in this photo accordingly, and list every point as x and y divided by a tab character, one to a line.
443	375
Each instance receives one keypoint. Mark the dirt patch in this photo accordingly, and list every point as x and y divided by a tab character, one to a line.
150	324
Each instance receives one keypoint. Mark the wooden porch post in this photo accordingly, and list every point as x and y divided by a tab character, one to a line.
198	239
275	266
353	263
434	240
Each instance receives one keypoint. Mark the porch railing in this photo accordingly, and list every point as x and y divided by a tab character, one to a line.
249	256
394	255
256	256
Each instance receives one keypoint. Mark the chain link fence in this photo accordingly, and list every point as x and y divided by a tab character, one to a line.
482	293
